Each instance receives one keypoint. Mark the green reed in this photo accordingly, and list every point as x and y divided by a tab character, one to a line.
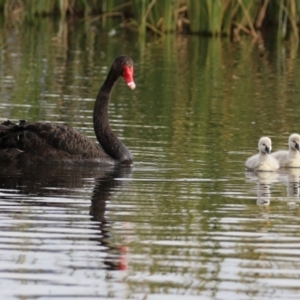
213	17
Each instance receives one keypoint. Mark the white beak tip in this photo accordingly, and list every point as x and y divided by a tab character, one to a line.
131	85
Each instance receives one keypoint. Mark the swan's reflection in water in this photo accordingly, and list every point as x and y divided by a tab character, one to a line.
104	187
61	188
263	182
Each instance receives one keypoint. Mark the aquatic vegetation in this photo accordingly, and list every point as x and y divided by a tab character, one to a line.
217	18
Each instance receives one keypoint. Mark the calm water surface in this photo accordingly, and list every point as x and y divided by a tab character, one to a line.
186	219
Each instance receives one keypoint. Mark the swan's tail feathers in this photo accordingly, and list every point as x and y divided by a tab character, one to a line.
10	137
9	155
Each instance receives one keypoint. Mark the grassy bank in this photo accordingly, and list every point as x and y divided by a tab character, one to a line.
212	17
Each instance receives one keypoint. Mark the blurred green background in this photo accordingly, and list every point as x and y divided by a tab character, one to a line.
217	17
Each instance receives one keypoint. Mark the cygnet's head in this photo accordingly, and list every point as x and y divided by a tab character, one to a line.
265	145
294	141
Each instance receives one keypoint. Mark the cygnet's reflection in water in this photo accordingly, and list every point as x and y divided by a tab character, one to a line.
290	176
263	182
60	182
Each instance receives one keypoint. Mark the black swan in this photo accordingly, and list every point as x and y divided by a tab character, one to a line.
40	142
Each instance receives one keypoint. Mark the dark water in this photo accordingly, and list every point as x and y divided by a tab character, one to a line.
186	219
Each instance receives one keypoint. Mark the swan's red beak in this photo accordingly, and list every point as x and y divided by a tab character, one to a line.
128	76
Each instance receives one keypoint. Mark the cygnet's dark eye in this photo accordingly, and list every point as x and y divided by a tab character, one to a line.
264	144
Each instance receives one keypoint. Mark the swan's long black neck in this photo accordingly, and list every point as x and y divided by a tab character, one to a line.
107	139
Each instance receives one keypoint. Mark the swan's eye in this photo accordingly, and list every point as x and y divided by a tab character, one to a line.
264	144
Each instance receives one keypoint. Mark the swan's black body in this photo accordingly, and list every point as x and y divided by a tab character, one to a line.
40	142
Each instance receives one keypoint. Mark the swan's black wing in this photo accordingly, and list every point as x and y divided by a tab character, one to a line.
45	141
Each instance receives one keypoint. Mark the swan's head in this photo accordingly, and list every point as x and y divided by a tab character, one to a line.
124	67
294	141
265	145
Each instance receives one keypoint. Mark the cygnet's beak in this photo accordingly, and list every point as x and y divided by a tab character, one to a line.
297	146
268	150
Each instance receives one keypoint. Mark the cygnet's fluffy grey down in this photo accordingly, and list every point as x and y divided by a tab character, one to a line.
263	161
290	158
